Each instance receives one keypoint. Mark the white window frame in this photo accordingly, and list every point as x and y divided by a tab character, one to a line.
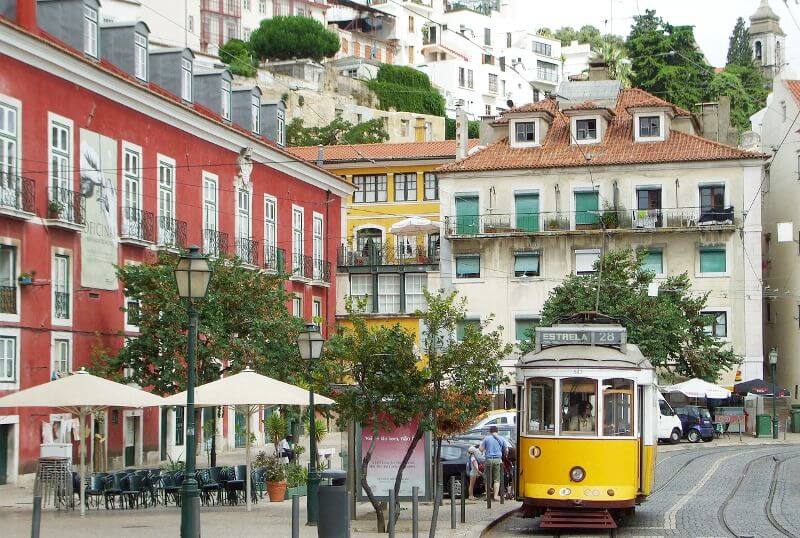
460	280
385	294
369	291
63	156
727	272
129	327
297	305
15	244
512	133
316	308
55	345
524	316
494	83
164	188
317	244
225	96
281	128
10	140
298	238
59	253
663	250
210	213
7	334
662	123
244	220
91	36
598	130
416	292
130	177
187	72
582	253
270	228
255	113
140	56
720	310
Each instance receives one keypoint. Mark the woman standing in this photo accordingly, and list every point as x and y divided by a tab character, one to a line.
473	470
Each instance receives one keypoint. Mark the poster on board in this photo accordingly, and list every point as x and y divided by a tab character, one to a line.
391	445
98	158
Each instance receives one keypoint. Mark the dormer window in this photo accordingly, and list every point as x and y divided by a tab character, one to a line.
586	130
140	56
649	126
90	31
186	80
255	111
226	100
525	131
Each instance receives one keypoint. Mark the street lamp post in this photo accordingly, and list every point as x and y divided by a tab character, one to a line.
192	275
773	363
310	344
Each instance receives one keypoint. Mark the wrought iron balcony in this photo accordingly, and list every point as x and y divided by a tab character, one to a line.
66	206
171	232
274	258
215	242
610	220
247	250
8	299
137	225
372	254
61	306
302	266
322	270
17	195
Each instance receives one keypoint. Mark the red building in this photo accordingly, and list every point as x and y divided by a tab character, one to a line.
100	166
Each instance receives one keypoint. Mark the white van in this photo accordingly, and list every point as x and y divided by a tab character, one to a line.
496	418
669	425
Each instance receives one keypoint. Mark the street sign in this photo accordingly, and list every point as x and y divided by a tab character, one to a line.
578	336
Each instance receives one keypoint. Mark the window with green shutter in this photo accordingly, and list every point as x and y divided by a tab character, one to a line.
523	326
527	212
461	327
468	266
467	215
712	260
654	261
587	208
526	264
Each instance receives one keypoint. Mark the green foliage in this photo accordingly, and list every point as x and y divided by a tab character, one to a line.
275	470
618	65
473	128
275	428
296	475
746	97
337	132
237	54
287	37
739	50
243	320
320	428
406	89
667	62
173	465
587	34
669	328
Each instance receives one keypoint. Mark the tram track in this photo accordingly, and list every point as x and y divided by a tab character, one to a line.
707	452
768	504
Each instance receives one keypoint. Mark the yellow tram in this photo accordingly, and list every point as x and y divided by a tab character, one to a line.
587	425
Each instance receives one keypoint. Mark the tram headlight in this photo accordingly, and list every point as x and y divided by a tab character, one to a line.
576	474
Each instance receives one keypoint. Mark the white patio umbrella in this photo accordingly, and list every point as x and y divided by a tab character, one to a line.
413	226
250	390
697	388
82	394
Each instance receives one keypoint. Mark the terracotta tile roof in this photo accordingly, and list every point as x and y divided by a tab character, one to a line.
794	88
636	97
617	147
441	149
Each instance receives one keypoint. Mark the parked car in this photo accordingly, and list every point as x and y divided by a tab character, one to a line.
497	417
696	423
670	429
454	462
507	431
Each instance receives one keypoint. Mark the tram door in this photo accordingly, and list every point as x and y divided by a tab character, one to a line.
640	420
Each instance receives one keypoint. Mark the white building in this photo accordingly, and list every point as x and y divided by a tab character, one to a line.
575	59
524	212
779	127
768	40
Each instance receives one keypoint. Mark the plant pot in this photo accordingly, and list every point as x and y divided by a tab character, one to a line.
297	490
276	491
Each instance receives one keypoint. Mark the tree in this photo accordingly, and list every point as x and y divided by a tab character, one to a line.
587	34
337	132
381	362
288	37
666	61
237	54
739	50
473	129
406	89
617	64
669	329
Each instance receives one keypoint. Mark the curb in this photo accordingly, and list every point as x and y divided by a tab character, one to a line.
497	521
666	449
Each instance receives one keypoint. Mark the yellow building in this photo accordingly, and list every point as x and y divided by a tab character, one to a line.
394	182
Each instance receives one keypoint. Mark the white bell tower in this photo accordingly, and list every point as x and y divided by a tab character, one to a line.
767	40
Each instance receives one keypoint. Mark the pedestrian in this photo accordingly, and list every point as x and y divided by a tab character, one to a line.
286	449
473	470
494	448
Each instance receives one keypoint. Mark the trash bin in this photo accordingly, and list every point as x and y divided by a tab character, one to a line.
795	420
333	519
763	426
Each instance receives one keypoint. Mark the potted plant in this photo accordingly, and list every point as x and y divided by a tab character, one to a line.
54	209
26	278
275	477
296	480
275	429
609	217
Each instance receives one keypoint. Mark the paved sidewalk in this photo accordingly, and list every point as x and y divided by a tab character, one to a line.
733	439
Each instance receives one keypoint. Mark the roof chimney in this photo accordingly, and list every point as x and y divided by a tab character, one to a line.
462	133
320	155
26	15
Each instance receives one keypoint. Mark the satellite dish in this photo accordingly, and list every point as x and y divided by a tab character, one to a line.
510	103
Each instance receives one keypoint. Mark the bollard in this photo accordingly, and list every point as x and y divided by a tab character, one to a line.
37	516
464	491
415	512
487	482
295	516
392	509
453	501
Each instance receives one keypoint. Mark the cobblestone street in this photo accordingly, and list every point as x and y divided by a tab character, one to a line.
710	491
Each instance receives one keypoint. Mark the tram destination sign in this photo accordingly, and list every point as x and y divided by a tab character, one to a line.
562	336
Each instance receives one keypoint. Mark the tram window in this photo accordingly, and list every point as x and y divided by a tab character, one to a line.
617	407
578	403
540	406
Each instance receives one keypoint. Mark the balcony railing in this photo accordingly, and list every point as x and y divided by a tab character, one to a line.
61	307
215	242
17	193
137	224
546	74
171	232
309	268
672	219
322	270
274	259
66	205
373	254
247	250
8	299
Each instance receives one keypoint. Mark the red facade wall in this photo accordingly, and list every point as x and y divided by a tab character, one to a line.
97	316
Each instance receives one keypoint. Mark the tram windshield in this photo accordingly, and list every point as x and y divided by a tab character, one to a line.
617	407
578	402
540	406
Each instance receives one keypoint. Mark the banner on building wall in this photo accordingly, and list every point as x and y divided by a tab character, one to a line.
99	190
391	445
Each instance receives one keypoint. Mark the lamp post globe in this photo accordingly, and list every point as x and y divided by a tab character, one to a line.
310	343
192	276
773	363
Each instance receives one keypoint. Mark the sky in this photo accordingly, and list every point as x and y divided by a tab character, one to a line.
713	20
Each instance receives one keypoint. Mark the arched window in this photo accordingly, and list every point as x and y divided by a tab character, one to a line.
778	59
365	236
757	50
